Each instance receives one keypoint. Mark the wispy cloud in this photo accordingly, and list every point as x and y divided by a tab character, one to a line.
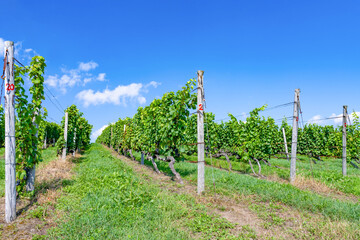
23	55
333	119
314	119
87	66
2	46
73	77
118	96
101	77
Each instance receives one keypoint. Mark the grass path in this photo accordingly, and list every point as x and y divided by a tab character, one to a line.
325	176
102	195
114	197
109	200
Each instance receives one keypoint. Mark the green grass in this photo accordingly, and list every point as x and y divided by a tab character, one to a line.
49	154
328	171
244	184
107	200
2	152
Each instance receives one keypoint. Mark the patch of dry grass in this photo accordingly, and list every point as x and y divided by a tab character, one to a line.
37	214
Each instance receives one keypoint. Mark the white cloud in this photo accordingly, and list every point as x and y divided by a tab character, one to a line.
2	46
97	133
52	81
153	84
86	80
150	84
118	96
20	53
336	118
333	119
73	77
87	66
314	119
69	79
101	77
141	100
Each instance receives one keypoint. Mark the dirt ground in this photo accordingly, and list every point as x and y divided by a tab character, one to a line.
35	215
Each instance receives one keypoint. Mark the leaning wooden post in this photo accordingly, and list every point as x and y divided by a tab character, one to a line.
200	132
285	143
111	136
10	179
65	136
294	137
44	147
30	178
344	141
74	142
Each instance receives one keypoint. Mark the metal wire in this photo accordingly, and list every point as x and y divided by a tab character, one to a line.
266	109
54	103
54	98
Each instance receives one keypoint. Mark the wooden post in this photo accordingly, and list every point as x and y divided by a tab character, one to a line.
10	174
142	158
111	136
65	137
294	137
74	142
45	143
200	132
30	178
344	141
285	143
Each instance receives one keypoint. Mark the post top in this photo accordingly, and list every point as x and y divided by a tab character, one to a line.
200	73
297	90
9	43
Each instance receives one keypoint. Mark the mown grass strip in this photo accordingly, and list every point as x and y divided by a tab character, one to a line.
328	172
269	191
107	200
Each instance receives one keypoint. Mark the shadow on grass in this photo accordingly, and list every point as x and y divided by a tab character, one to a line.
52	184
78	160
164	166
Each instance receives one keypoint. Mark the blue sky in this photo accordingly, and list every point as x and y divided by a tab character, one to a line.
110	57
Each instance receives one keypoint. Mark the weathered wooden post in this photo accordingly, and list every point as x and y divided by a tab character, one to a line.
10	174
111	136
344	140
30	179
285	143
294	137
65	137
74	143
142	158
200	132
